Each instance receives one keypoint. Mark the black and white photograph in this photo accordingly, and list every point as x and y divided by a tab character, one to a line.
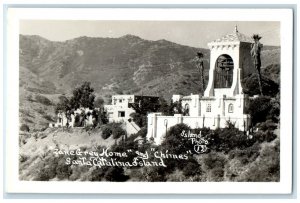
149	101
141	101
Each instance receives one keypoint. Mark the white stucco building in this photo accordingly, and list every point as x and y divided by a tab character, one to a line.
121	108
63	121
223	99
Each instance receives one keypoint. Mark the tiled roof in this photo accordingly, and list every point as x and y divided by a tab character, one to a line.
234	37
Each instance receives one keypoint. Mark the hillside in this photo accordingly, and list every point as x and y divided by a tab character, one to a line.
113	65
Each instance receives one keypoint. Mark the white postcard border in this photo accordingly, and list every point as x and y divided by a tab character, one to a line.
12	183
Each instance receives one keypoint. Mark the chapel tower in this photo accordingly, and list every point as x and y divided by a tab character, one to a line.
230	62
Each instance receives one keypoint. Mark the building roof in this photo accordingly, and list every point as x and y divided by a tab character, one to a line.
236	36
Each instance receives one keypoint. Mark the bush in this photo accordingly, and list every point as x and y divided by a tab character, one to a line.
106	132
47	169
63	171
43	100
77	121
97	174
263	108
251	86
266	167
115	174
214	160
229	138
25	128
139	119
113	128
268	125
175	143
48	117
118	132
267	136
192	168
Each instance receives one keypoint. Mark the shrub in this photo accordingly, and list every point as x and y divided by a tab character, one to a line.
25	128
267	136
175	143
113	128
78	121
176	176
97	174
217	174
48	117
154	174
43	175
106	132
214	160
139	119
268	125
229	138
192	168
259	109
118	132
63	171
251	87
47	172
266	167
115	174
43	100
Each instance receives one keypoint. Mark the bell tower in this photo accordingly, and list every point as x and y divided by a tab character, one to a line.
230	62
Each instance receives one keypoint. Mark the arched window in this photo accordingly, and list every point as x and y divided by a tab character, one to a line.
186	110
208	107
223	72
230	108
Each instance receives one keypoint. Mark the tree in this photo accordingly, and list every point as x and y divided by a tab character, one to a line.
199	64
169	109
99	102
164	108
63	105
255	53
139	119
174	142
259	109
251	86
83	96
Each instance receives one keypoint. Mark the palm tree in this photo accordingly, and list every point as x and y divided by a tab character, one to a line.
255	53
199	64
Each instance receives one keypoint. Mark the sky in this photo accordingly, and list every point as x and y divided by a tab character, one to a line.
191	33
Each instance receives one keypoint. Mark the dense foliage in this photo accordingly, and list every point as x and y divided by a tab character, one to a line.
251	87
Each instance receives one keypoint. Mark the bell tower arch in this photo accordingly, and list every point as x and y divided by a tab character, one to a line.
230	62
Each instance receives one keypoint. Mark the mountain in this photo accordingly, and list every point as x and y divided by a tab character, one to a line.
125	65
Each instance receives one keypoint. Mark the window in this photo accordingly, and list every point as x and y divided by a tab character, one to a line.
120	100
115	101
230	108
186	110
121	114
208	108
